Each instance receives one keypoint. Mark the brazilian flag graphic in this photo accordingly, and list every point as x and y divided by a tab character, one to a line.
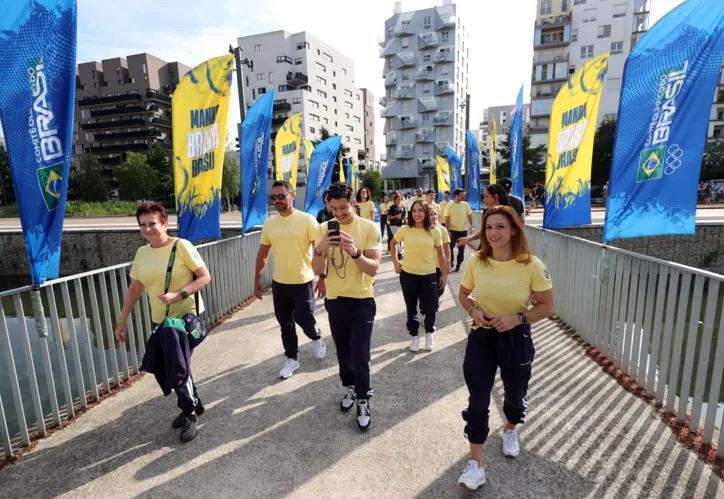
50	180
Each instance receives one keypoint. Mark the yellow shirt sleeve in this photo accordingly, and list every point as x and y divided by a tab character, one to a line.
134	266
400	236
540	276
468	280
265	236
447	211
373	239
189	255
470	211
312	231
445	236
437	236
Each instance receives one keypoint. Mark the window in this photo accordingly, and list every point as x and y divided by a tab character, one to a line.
327	57
348	104
321	93
321	80
358	97
347	93
319	52
604	31
321	67
271	77
357	141
334	99
247	81
314	117
564	5
619	9
589	15
258	48
617	47
344	71
427	21
284	58
571	69
405	41
445	36
325	107
334	86
574	35
302	45
357	119
389	31
326	121
346	115
426	117
261	91
350	128
426	57
586	51
297	100
286	88
260	76
579	2
312	130
546	8
314	104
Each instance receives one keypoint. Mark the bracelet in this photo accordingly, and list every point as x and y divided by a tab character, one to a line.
121	321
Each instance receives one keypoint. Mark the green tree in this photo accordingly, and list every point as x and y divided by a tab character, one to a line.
231	179
372	179
712	164
343	151
7	192
534	160
136	180
603	152
159	161
86	182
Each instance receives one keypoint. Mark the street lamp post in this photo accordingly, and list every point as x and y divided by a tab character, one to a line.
466	105
242	104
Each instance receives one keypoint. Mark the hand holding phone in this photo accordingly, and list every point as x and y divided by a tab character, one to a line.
333	227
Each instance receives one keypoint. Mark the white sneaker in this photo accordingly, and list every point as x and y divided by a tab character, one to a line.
320	349
415	344
348	399
511	447
290	365
429	342
472	477
364	415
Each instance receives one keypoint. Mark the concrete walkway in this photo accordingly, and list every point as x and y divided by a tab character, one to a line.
262	437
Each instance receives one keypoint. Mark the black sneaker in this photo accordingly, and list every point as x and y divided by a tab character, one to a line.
457	268
348	400
364	415
179	421
188	430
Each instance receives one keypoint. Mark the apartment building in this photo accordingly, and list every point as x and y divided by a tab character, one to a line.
716	118
568	33
426	54
503	117
124	104
307	76
370	162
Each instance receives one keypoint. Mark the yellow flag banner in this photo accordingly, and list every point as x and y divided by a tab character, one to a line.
200	107
443	174
286	149
355	176
570	146
308	150
493	150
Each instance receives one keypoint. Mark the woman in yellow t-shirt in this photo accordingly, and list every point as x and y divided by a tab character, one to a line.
366	206
418	279
505	276
435	222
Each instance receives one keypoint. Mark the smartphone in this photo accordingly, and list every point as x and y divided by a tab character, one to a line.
333	226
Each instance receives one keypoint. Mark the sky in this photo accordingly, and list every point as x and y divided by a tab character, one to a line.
500	35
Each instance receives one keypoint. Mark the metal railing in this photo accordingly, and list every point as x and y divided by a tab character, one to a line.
659	322
45	380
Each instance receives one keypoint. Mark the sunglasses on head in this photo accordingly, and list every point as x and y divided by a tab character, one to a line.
279	197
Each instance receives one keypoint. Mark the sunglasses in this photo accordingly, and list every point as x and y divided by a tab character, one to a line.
279	197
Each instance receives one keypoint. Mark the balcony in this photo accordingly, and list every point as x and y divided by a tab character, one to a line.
553	22
425	135
160	121
107	125
390	79
388	49
281	106
391	138
406	59
444	87
427	104
442	147
278	121
442	118
110	99
551	58
425	73
386	112
119	111
428	40
402	29
297	78
551	40
361	154
383	101
381	41
426	162
407	121
405	91
449	21
443	55
405	151
138	134
158	96
117	148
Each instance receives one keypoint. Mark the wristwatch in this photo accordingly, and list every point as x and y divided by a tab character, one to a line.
184	294
322	276
523	318
357	255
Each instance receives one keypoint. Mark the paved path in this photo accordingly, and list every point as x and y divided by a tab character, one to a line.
262	437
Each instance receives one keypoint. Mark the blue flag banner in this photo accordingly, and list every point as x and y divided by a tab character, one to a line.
455	163
320	173
516	147
37	102
474	173
668	83
255	137
347	172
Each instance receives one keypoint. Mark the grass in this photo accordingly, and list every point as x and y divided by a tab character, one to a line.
83	209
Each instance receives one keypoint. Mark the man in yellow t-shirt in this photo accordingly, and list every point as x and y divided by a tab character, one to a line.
430	200
443	205
419	196
350	259
457	215
289	237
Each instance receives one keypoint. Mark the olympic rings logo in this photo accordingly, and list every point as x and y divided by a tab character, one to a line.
673	159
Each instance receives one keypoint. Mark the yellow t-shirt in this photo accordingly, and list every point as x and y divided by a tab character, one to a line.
419	249
149	267
384	208
443	205
458	213
291	239
418	198
445	240
505	288
436	206
367	210
343	277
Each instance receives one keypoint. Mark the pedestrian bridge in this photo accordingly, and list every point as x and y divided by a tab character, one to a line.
656	325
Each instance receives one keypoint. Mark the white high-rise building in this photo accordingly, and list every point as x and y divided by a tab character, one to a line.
716	118
426	54
569	33
308	76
